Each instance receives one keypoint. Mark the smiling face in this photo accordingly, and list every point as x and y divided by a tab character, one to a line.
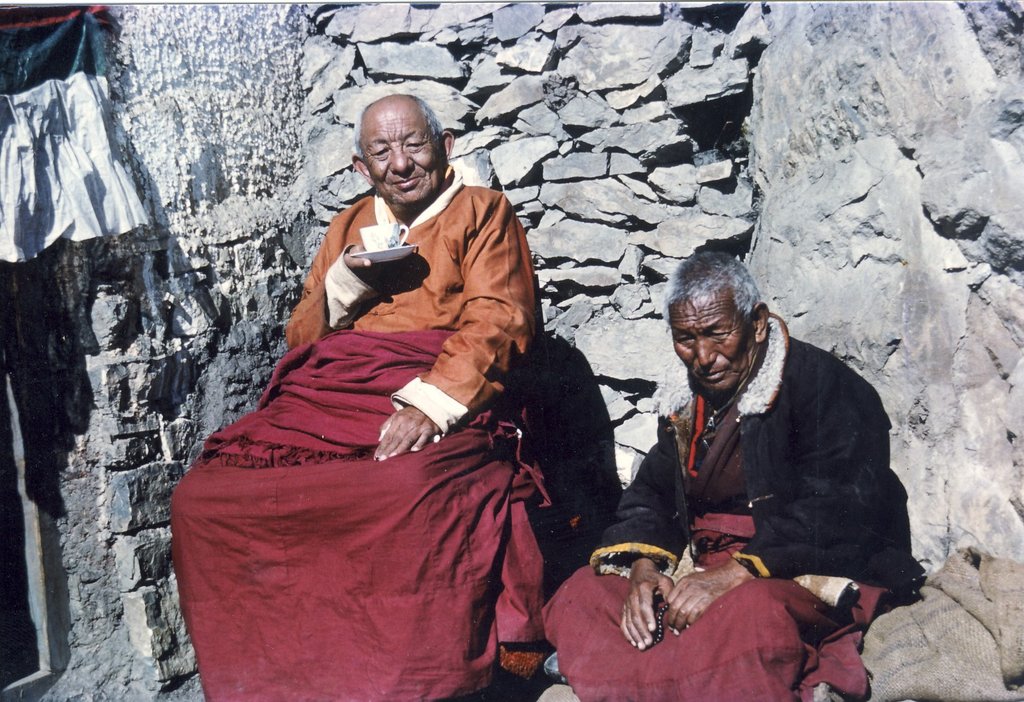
717	343
399	159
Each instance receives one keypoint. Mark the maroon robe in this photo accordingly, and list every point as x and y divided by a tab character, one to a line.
328	575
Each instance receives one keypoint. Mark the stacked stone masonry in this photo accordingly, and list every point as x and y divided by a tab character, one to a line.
866	160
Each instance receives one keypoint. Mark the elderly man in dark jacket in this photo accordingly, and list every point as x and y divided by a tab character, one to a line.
764	530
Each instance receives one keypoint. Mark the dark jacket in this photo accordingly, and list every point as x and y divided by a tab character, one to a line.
815	452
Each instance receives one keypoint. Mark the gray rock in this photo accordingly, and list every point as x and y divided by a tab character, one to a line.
576	166
625	349
605	200
448	15
539	120
714	172
616	55
598	301
647	112
373	23
515	160
177	437
639	431
484	138
112	318
599	11
579	241
124	452
661	267
624	164
692	86
621	99
518	196
513	21
530	54
751	34
617	404
676	183
639	187
586	277
551	217
629	266
417	60
553	20
506	103
451	107
476	33
142	497
349	186
486	77
578	313
325	68
680	236
329	151
156	630
738	203
705	46
645	141
632	301
588	110
142	557
475	168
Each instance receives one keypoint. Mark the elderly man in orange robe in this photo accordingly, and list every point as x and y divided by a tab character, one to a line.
381	550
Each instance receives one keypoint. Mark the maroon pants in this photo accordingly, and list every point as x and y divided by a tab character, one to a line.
767	639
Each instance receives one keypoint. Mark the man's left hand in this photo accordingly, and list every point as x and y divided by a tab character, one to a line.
692	595
406	430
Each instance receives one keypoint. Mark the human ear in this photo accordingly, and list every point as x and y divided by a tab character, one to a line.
361	168
760	321
447	142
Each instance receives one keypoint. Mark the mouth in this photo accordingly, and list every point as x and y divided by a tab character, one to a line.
407	184
711	377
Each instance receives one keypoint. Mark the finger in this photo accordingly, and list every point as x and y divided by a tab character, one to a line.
634	629
390	438
642	619
697	610
426	437
403	440
357	261
627	629
678	602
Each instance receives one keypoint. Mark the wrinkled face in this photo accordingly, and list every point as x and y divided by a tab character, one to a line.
399	160
717	343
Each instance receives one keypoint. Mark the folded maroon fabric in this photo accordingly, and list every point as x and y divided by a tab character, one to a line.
345	578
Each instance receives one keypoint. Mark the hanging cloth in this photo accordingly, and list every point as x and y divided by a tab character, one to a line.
60	173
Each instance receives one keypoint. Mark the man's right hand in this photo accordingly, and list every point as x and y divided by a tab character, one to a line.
638	622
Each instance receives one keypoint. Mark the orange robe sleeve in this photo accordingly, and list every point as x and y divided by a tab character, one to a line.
309	318
496	323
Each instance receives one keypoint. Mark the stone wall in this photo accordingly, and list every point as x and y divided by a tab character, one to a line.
176	328
887	142
865	159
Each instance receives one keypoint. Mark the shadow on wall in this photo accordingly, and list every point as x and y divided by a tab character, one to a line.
570	435
44	337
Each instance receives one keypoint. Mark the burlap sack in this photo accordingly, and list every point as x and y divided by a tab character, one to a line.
963	642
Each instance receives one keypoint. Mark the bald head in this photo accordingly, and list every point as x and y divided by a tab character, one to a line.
411	102
402	152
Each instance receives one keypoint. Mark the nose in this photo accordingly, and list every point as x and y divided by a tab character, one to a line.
400	162
705	354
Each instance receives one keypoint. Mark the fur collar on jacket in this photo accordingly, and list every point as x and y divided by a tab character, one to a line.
674	393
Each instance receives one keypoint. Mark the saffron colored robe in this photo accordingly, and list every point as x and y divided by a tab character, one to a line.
328	575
